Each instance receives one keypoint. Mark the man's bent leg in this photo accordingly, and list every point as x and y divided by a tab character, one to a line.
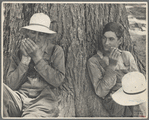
12	103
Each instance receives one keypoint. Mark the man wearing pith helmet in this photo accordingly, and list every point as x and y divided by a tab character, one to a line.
35	73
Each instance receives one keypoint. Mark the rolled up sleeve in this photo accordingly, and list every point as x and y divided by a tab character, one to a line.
15	74
102	81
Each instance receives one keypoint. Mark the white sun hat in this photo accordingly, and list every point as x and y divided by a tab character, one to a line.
133	91
40	22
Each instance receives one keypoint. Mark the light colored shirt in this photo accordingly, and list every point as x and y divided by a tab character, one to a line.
106	80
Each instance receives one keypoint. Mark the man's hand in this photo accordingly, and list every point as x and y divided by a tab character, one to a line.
33	50
25	57
113	57
23	51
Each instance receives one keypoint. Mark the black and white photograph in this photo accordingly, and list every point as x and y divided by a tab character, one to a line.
82	60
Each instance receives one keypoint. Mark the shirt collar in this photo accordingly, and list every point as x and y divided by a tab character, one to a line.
100	54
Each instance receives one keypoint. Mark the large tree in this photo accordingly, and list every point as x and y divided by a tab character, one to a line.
79	28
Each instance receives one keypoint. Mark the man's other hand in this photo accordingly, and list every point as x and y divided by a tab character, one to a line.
25	57
33	50
22	48
113	57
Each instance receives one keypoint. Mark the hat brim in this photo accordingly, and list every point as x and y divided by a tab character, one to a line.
128	100
39	29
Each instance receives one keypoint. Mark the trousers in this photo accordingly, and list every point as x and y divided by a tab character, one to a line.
16	104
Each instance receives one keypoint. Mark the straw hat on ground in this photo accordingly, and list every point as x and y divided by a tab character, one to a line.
133	91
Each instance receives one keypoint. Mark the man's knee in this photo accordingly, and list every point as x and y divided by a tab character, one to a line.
10	106
5	93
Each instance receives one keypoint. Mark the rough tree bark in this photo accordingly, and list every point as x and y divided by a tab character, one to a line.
79	27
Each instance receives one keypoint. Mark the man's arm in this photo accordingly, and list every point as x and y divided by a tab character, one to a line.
102	82
16	71
54	74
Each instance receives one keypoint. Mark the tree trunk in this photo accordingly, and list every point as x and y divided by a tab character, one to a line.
79	28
